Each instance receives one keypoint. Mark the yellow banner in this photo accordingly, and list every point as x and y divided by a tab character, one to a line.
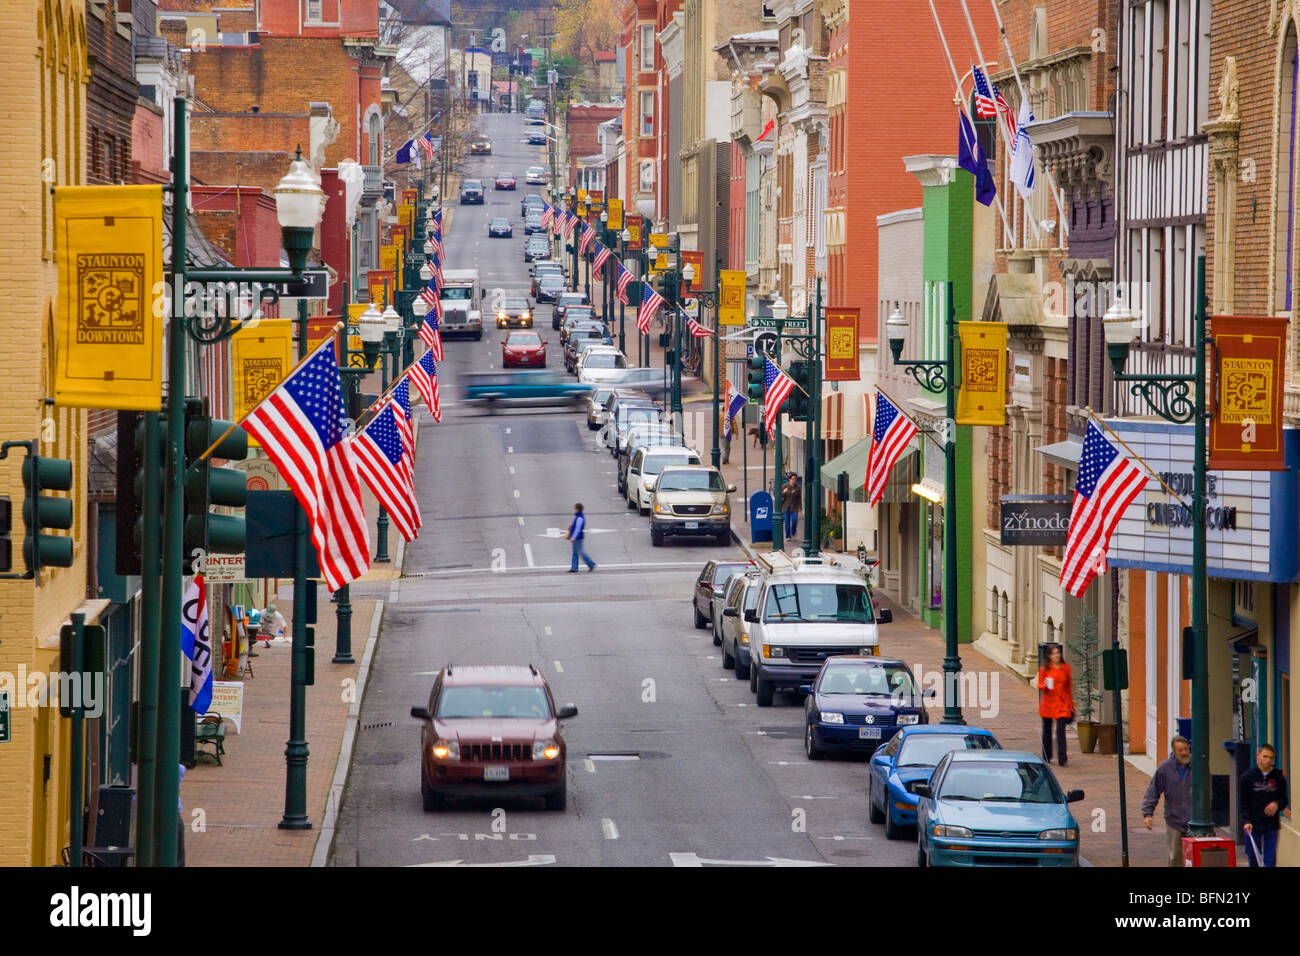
260	356
107	349
660	241
405	213
731	297
387	258
355	311
615	215
582	209
982	397
582	195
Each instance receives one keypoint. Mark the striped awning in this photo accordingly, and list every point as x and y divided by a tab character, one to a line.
833	416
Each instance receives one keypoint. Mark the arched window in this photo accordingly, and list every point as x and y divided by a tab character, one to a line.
993	610
1050	636
1006	617
374	134
1284	217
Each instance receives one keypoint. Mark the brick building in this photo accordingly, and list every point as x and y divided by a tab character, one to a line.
582	122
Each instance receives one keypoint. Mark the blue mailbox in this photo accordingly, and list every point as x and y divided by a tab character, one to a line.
760	517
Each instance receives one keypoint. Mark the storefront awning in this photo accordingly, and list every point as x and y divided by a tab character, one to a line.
1063	453
854	460
929	490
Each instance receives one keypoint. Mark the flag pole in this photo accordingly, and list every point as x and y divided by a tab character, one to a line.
1015	70
1154	474
1006	137
329	340
960	101
927	432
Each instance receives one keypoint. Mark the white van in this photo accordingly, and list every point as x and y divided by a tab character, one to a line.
806	612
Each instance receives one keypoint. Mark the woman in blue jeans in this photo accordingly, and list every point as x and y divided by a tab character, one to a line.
791	505
576	535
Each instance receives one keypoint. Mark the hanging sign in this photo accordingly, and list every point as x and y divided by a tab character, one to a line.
1246	429
982	397
633	227
615	215
261	356
842	345
731	297
108	315
696	259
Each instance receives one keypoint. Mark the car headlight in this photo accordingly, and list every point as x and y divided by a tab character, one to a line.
772	651
942	830
722	509
830	718
445	749
1066	833
545	750
661	509
867	650
905	719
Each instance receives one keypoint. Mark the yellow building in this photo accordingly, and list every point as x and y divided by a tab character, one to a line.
43	44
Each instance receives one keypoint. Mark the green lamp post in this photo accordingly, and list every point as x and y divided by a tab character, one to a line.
624	238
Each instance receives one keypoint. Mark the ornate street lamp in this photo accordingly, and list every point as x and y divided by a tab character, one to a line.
371	326
299	202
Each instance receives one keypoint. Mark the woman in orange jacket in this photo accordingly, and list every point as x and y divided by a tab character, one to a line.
1056	701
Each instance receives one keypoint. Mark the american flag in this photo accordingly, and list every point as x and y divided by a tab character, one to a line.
437	219
402	396
548	213
570	220
1004	110
985	105
429	331
776	387
426	144
1106	483
889	436
588	234
624	279
301	427
425	376
650	304
380	454
602	254
435	239
696	329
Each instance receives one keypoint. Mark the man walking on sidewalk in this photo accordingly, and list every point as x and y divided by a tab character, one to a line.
1173	781
1263	798
576	535
791	505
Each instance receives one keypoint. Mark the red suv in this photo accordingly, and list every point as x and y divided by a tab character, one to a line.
492	731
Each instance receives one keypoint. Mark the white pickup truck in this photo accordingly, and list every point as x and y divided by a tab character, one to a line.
461	303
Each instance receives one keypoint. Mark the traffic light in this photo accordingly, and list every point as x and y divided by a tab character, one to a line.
41	512
135	491
754	378
206	486
797	404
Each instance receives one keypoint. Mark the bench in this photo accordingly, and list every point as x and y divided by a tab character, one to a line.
210	729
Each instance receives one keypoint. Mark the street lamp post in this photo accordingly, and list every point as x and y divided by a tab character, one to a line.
940	376
351	369
390	348
624	238
651	255
708	299
812	493
1168	397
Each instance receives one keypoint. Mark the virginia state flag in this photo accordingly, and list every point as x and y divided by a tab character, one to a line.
970	157
196	644
735	402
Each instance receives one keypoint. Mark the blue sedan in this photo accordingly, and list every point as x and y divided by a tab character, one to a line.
909	759
995	808
858	703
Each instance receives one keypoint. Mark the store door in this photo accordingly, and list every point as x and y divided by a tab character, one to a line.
1152	664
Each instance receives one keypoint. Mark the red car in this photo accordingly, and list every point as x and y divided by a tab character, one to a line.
523	349
492	731
506	181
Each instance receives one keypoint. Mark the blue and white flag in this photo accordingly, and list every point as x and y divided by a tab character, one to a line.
196	644
735	402
407	152
970	157
1021	169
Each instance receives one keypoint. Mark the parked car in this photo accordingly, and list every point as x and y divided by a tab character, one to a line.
536	138
594	364
644	436
536	175
857	703
615	397
711	588
582	337
576	349
506	181
550	286
489	731
541	268
524	349
530	199
995	808
537	247
566	299
532	222
536	387
500	228
516	312
806	613
471	192
596	407
742	593
643	471
626	417
909	759
690	500
481	146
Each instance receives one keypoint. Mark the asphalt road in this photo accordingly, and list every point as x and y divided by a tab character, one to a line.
670	761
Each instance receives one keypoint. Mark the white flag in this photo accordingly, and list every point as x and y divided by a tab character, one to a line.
1021	169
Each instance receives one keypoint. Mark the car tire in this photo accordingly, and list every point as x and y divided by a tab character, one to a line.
724	538
700	620
893	831
478	336
558	799
809	745
765	692
753	678
874	813
630	504
742	668
728	660
717	635
643	511
921	861
656	538
432	800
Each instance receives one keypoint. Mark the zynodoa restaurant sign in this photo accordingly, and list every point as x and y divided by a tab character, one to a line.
1039	520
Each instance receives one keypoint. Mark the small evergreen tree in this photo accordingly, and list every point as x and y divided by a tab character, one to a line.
1087	652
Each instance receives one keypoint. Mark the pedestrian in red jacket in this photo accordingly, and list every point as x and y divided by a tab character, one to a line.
1056	701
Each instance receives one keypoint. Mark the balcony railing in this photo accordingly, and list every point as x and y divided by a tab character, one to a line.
373	186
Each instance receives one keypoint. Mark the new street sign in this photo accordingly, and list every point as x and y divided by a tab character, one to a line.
314	285
766	322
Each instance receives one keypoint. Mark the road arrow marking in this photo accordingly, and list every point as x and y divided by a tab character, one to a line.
694	859
528	551
534	859
611	831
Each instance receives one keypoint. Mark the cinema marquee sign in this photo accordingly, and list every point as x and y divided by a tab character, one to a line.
1041	521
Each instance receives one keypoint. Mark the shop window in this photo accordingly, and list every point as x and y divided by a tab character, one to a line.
935	514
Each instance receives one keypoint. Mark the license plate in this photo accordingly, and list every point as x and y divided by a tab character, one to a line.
691	525
502	773
868	733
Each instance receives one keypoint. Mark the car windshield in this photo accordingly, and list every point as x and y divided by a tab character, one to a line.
724	573
457	292
571	298
604	360
1001	781
527	703
513	305
829	603
500	222
691	481
471	184
874	680
524	338
628	414
926	750
552	281
505	176
654	464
